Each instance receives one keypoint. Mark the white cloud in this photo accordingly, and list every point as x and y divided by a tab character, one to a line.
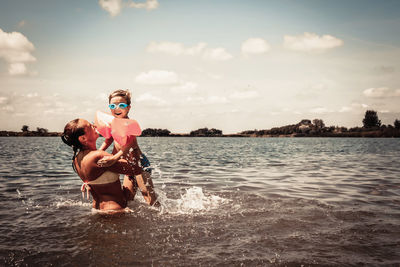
16	49
345	109
381	92
3	99
8	108
255	46
244	95
353	107
217	54
320	110
216	100
102	96
149	4
207	100
17	68
186	87
30	95
157	77
149	99
114	7
311	42
177	49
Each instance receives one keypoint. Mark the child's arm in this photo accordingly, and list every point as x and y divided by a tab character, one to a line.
110	160
106	144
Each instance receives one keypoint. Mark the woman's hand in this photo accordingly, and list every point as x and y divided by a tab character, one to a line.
107	161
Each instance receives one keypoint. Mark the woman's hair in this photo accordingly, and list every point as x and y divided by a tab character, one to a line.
71	137
122	93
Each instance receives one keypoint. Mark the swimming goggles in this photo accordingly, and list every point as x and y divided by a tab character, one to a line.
119	105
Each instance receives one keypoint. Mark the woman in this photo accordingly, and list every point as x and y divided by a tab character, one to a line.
103	182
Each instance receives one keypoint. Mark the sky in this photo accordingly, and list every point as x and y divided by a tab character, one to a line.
231	65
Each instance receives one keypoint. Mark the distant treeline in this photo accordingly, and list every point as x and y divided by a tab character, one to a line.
372	127
307	129
25	132
203	132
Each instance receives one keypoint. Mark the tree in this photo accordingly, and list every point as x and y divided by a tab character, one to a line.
206	132
319	124
155	132
25	128
41	131
371	119
396	124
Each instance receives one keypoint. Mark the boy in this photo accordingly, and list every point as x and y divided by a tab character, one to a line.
119	104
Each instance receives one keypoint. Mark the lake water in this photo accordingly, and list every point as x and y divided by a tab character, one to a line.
225	202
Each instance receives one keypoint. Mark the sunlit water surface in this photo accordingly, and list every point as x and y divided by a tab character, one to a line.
225	201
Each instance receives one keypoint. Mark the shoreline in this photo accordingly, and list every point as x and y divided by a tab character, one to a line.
364	134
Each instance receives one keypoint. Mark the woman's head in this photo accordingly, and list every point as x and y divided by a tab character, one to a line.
79	134
120	101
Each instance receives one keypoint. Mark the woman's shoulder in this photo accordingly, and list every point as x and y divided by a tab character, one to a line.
89	166
93	156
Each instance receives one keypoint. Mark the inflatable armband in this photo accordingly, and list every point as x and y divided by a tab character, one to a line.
118	128
103	124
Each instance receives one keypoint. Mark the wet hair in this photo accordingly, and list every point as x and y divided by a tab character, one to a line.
122	93
71	135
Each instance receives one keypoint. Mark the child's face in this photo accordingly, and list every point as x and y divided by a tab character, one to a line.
119	112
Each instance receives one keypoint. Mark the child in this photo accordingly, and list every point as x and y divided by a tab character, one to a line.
119	104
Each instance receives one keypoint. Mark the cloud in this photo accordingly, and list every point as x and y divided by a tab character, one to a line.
186	87
206	100
311	42
354	106
320	110
102	96
381	92
216	100
149	4
345	109
3	99
157	77
16	50
8	108
151	100
244	95
177	49
255	46
30	95
217	54
114	7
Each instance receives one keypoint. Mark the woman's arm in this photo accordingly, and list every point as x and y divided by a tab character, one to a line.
121	166
110	160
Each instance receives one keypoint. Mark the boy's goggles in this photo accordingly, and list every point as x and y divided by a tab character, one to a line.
119	105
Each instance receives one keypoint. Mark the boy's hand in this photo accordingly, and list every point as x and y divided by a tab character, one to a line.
107	161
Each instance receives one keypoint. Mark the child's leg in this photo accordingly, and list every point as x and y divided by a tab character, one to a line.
147	188
129	187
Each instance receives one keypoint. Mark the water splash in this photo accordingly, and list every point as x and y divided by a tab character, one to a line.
28	203
70	203
193	201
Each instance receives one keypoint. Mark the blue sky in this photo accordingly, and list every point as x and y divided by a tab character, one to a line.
232	65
